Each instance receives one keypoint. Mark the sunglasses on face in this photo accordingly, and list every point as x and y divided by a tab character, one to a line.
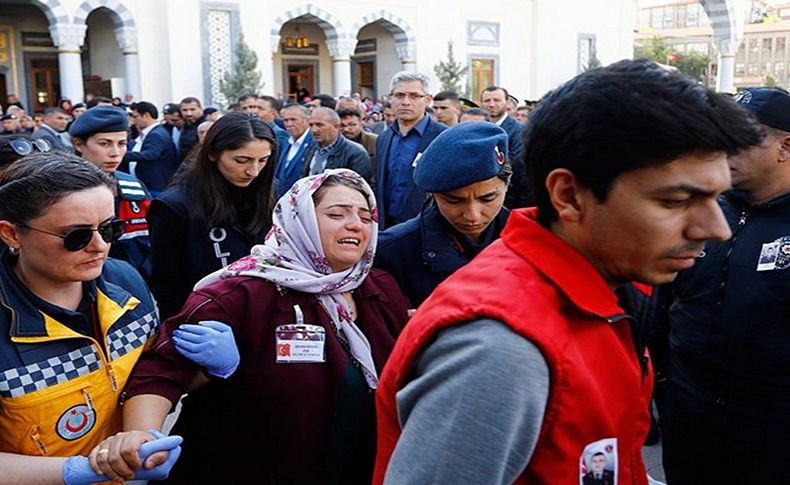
24	147
78	239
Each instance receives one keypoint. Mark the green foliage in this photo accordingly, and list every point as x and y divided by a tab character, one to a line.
245	78
450	72
693	64
770	81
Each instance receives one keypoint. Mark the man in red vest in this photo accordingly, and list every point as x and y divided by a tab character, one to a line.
522	366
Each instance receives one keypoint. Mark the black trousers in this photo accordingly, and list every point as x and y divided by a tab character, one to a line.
713	447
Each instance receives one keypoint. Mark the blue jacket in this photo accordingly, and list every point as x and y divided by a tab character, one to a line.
285	176
49	134
415	197
156	161
730	322
422	252
344	154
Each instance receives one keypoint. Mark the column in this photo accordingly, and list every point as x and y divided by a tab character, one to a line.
407	54
68	38
341	50
127	41
725	81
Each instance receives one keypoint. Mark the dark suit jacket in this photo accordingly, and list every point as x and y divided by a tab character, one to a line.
412	202
368	140
156	160
285	177
520	193
47	133
345	154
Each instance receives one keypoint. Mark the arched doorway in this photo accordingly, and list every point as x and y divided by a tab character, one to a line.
385	45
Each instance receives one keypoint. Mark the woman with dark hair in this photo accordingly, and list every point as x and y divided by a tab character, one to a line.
217	208
314	324
72	322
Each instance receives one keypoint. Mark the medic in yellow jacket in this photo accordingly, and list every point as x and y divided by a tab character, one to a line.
59	387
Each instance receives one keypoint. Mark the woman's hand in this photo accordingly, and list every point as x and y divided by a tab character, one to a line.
210	344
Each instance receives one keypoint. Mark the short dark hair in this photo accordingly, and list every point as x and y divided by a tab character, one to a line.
326	100
145	107
491	89
188	100
96	100
30	185
211	192
446	95
627	116
273	102
345	113
245	97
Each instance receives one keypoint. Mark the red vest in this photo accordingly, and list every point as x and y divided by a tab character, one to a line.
548	292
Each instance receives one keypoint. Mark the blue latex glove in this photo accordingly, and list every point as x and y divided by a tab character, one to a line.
161	443
77	469
210	344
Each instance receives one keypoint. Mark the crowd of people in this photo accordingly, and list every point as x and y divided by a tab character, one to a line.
418	290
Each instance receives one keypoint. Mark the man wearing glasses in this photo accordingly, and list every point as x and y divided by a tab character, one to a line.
400	147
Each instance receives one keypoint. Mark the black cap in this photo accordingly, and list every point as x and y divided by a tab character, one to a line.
771	106
169	108
468	103
7	117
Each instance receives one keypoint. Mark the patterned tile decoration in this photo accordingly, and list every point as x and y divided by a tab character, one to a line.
56	370
219	51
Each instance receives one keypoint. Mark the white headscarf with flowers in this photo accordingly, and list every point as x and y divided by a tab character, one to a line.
292	257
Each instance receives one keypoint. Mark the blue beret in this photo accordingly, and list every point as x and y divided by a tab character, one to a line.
462	155
771	106
99	119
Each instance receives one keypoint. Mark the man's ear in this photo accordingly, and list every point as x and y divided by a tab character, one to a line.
565	193
9	234
784	149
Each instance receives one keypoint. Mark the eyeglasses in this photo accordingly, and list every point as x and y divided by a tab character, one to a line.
24	147
411	96
78	239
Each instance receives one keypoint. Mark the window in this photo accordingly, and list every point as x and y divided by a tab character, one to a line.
482	75
754	69
656	17
754	50
766	50
680	16
740	69
779	49
586	52
692	15
669	18
779	70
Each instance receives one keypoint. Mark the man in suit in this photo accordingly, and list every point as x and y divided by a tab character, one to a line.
153	157
332	150
598	475
400	146
351	127
54	124
291	162
494	100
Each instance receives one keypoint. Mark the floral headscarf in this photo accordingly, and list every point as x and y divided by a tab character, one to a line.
292	257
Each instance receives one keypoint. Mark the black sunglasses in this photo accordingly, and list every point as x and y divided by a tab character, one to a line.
24	147
78	239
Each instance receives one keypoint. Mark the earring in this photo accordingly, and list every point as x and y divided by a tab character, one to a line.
13	251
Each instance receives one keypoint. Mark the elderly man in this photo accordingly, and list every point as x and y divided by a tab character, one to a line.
332	150
522	363
727	411
291	162
400	147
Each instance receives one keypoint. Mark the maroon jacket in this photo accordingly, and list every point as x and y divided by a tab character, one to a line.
284	410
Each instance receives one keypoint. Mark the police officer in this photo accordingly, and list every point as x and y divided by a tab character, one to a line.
100	136
466	173
726	414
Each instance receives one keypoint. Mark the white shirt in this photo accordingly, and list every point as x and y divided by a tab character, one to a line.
295	145
143	133
501	120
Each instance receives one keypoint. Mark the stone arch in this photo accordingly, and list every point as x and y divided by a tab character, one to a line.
331	25
726	18
53	10
400	29
119	14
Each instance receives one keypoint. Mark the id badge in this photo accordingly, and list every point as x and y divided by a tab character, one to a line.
300	343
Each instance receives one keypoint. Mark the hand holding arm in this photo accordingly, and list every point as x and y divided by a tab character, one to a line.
210	344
